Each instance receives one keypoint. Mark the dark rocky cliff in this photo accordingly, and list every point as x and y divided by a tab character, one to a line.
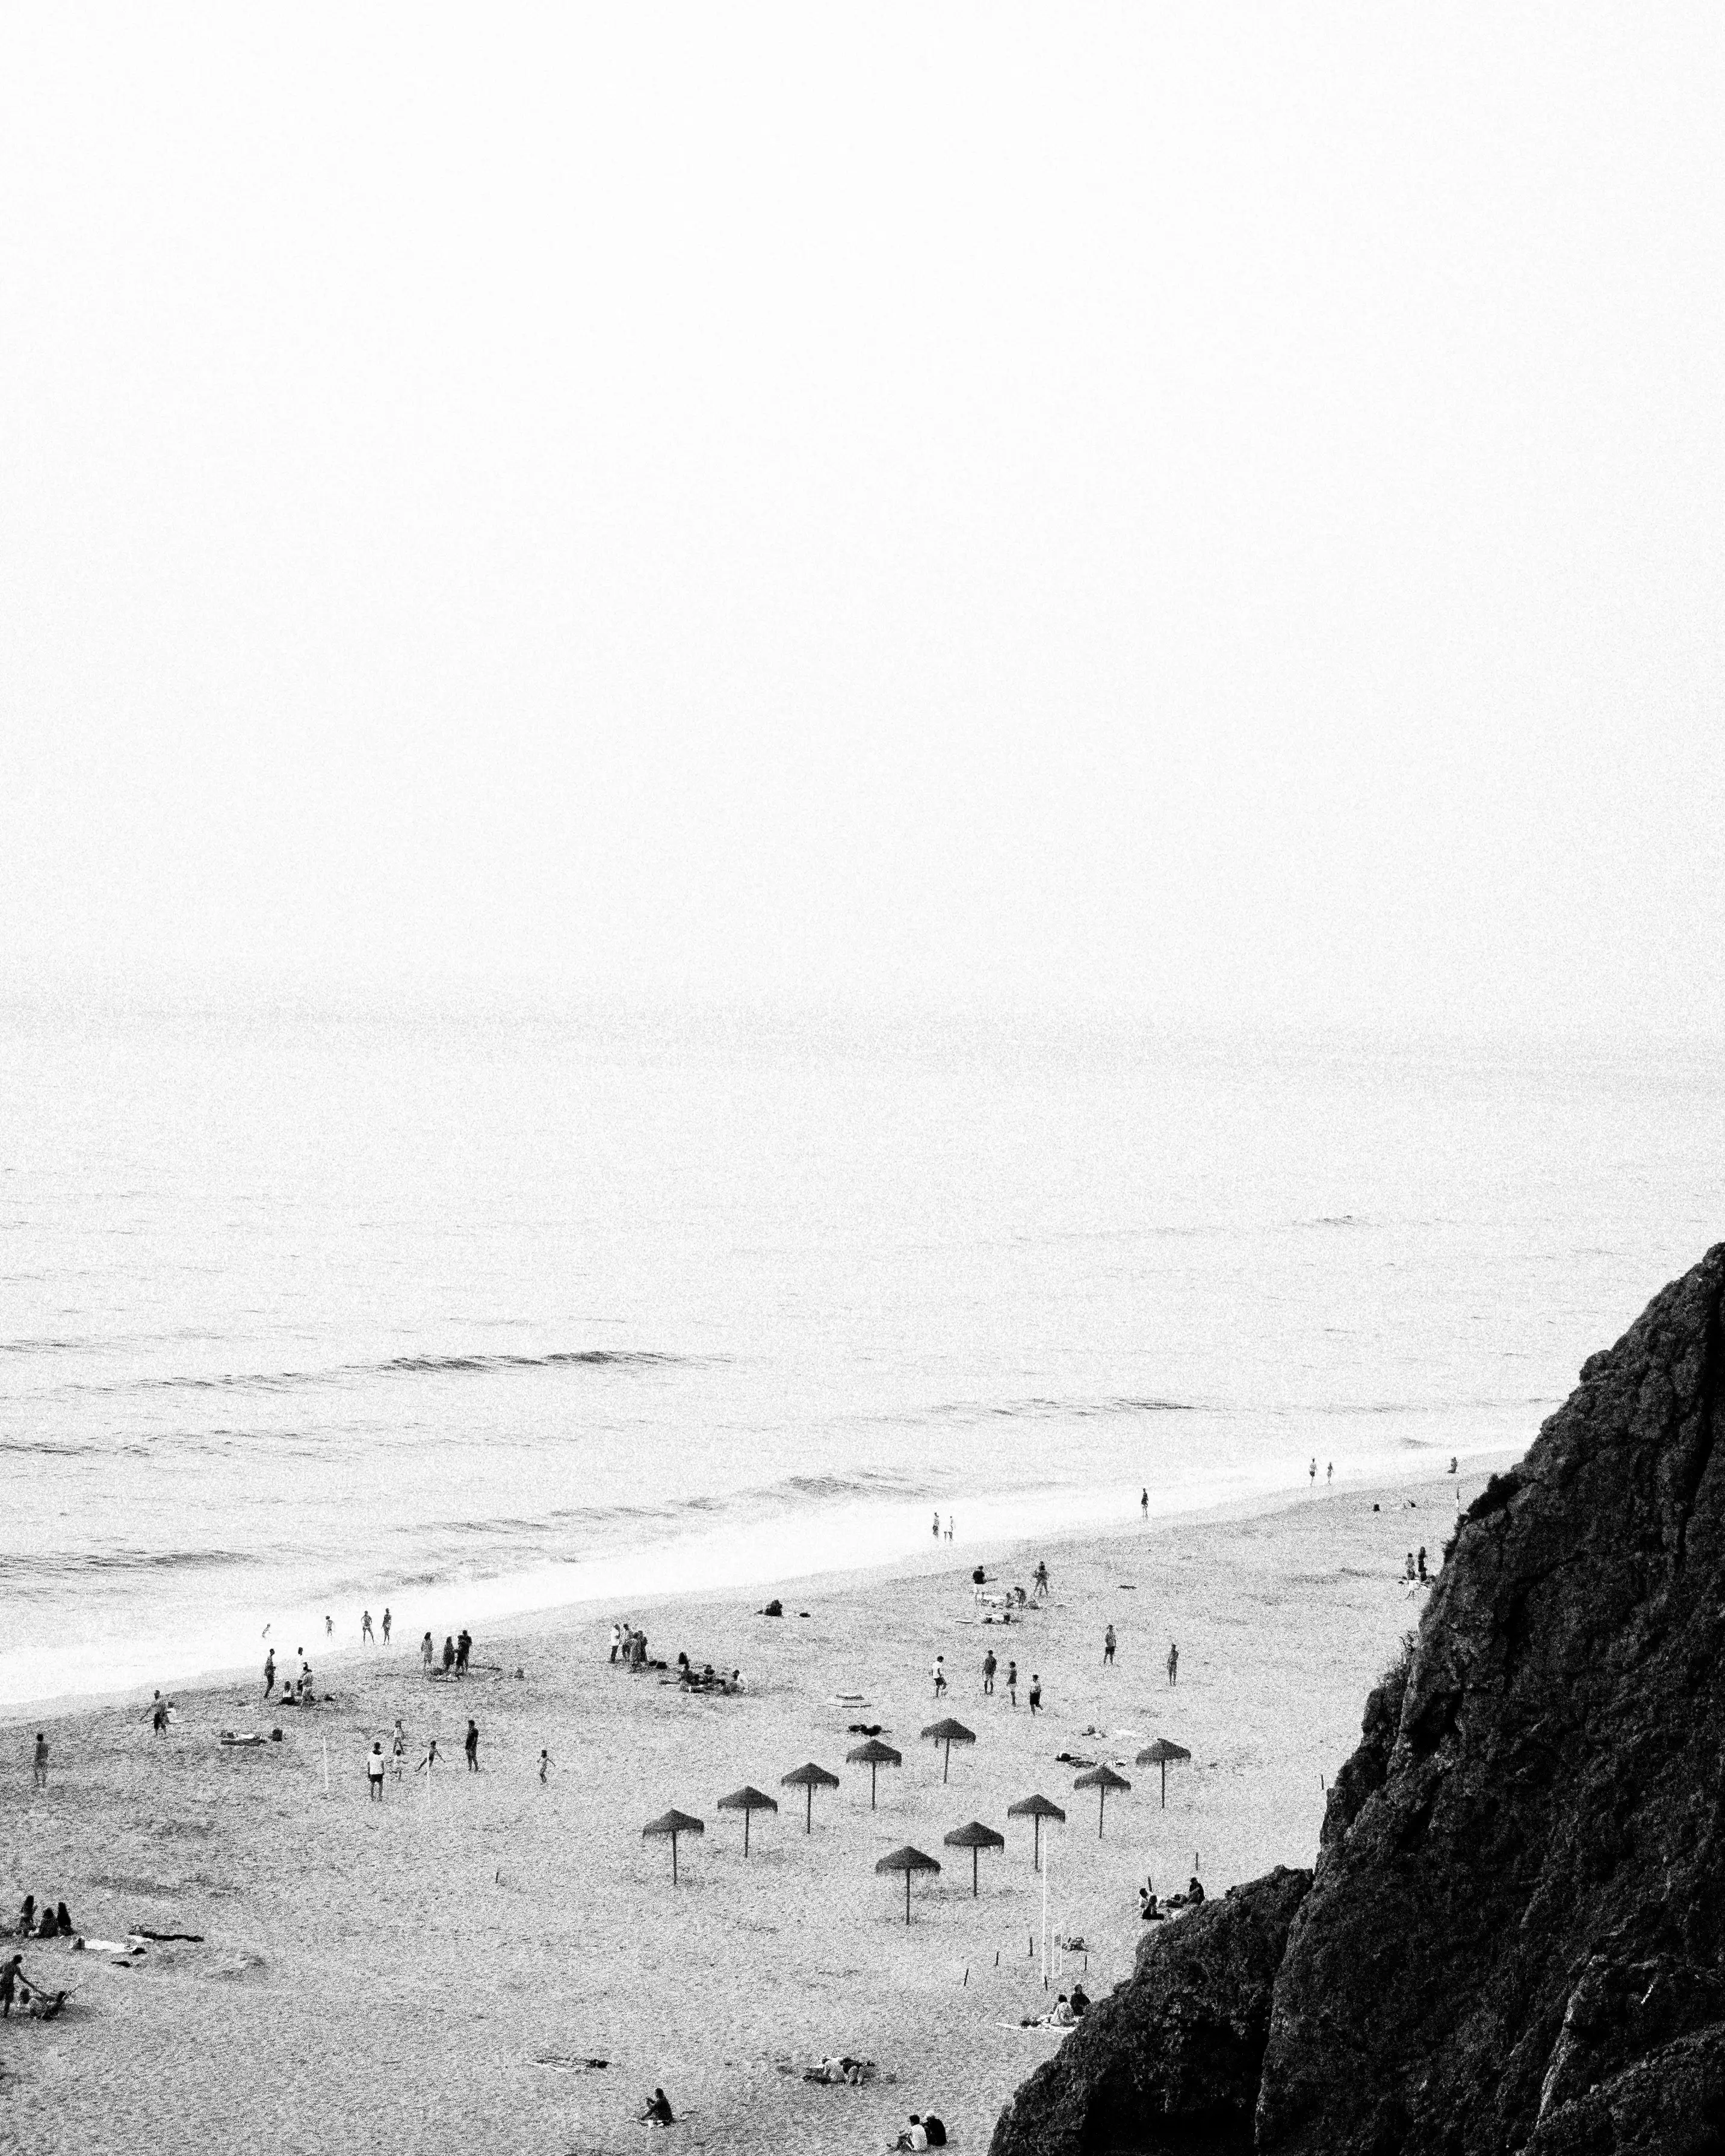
1514	1938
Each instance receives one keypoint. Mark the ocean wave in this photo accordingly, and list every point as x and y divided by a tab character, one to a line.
1038	1409
19	1568
790	1493
394	1366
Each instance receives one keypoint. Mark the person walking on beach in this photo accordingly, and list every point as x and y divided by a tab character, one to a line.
1107	1646
158	1716
374	1772
386	1623
1012	1682
940	1674
365	1630
1174	1663
471	1747
428	1653
329	1627
429	1762
545	1763
616	1640
1144	1500
989	1666
1329	1472
38	1763
269	1673
1035	1693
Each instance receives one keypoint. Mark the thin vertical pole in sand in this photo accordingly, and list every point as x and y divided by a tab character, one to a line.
1045	1869
327	1766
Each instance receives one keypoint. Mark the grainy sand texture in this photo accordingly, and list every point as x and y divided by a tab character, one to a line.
433	1972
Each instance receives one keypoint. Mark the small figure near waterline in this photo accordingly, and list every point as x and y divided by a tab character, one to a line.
936	1527
364	1629
387	1620
471	1747
1144	1502
269	1673
1174	1663
1108	1647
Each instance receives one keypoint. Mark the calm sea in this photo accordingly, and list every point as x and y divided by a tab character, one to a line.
304	1314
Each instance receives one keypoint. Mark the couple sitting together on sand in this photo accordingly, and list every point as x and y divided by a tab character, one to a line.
925	2131
1063	2013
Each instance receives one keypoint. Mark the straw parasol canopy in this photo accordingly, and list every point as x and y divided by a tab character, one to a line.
1158	1755
975	1837
874	1755
907	1861
1102	1779
949	1733
1036	1809
809	1779
674	1824
748	1801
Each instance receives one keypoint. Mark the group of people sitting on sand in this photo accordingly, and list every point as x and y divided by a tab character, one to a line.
1154	1913
707	1678
49	1921
835	2067
925	2131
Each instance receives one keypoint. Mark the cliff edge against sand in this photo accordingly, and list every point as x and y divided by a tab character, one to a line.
1514	1936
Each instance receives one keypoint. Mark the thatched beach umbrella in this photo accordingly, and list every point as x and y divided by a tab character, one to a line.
809	1778
674	1824
1158	1755
1102	1779
907	1861
1036	1809
974	1837
747	1801
949	1733
874	1755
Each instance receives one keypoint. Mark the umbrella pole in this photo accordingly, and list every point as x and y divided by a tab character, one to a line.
1036	1842
1164	1785
808	1817
674	1860
907	1893
974	1855
946	1763
746	1816
874	1769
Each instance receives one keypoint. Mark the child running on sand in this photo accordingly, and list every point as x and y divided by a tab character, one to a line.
545	1763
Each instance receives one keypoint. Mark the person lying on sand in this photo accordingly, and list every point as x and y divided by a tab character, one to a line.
837	2069
1059	2015
1191	1899
658	2112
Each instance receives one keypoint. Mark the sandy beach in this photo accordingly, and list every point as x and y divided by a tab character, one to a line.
440	1967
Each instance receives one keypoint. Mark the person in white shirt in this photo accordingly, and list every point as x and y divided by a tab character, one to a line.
374	1772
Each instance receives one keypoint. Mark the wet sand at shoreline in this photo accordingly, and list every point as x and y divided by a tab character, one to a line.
440	1966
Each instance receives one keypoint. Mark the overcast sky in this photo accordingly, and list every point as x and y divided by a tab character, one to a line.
1211	511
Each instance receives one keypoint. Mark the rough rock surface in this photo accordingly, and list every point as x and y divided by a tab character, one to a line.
1172	2059
1515	1936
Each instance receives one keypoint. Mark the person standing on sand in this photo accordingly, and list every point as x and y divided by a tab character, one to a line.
471	1747
1329	1473
1035	1693
448	1654
1040	1583
936	1527
398	1746
1313	1471
949	1526
366	1633
940	1674
38	1763
616	1640
1107	1646
1174	1663
374	1772
989	1666
1144	1500
1012	1682
269	1673
386	1623
464	1649
158	1718
428	1653
329	1627
545	1765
